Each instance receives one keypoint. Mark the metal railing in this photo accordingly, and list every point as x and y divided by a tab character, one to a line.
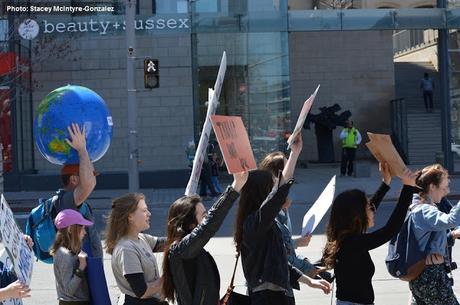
399	127
410	40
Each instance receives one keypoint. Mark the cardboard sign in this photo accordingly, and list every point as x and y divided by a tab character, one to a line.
234	143
314	215
12	238
302	116
382	148
213	99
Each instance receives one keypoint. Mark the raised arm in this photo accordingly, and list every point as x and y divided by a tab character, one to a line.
87	179
191	245
296	148
384	187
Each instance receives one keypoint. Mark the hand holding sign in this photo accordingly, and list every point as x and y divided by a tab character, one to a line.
234	143
302	116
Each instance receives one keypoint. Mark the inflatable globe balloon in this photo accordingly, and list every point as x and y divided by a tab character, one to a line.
67	105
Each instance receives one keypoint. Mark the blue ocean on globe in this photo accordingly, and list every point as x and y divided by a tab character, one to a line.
67	105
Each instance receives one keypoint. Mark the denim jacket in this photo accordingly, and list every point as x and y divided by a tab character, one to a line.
428	218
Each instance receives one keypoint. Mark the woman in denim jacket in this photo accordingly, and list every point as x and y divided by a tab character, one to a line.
433	286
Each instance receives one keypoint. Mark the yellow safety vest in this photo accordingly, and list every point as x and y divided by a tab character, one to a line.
350	139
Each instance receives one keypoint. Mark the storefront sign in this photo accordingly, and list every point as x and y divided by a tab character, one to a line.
15	245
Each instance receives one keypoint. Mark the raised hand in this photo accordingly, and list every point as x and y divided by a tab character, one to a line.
239	180
77	137
297	145
384	169
408	177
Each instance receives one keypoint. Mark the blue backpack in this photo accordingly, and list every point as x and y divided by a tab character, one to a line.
40	227
405	259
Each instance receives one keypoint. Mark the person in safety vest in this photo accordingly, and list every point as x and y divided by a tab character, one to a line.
351	138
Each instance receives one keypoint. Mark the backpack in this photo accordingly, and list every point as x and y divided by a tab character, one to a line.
40	227
405	260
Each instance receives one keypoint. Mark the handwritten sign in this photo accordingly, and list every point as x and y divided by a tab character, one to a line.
12	238
213	99
382	148
234	143
314	215
302	116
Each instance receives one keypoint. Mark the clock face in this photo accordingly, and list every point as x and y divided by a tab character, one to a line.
28	29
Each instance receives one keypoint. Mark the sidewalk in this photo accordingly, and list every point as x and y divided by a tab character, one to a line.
310	182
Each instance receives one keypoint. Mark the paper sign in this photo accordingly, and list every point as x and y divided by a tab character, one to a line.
12	238
302	116
6	261
382	148
213	98
234	143
314	215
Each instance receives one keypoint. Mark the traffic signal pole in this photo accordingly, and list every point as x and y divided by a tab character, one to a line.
133	170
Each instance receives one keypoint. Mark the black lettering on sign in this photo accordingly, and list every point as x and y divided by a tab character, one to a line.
232	150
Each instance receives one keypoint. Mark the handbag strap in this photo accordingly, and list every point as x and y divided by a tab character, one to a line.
237	256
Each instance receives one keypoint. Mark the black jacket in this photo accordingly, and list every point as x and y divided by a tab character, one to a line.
194	271
263	254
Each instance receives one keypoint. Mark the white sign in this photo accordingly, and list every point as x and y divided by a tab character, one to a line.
5	259
302	116
213	98
15	245
314	215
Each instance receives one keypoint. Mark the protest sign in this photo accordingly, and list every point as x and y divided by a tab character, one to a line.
302	116
314	215
213	98
382	148
12	238
234	143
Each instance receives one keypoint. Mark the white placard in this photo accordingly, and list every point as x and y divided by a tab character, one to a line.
213	98
13	239
314	215
302	116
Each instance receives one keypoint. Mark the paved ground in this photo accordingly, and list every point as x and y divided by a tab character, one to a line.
310	183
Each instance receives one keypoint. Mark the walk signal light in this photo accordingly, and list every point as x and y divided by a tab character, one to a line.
151	73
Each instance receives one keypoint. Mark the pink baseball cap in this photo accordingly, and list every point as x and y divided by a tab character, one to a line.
70	217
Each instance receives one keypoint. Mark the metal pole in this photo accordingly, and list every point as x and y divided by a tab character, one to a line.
133	171
443	59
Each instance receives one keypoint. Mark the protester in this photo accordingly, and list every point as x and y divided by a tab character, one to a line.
433	286
270	278
69	259
79	181
274	163
351	138
427	87
348	243
133	261
206	181
190	274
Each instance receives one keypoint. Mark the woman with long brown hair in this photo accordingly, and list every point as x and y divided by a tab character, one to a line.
133	261
348	242
269	277
190	274
69	260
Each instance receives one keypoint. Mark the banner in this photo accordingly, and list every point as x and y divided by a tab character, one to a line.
382	148
234	143
314	215
213	98
302	116
12	238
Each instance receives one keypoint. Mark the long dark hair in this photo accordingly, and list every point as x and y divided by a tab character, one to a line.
273	162
253	194
181	221
348	216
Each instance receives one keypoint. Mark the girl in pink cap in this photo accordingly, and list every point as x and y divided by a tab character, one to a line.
69	259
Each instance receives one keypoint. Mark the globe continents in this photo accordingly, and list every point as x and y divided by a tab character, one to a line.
67	105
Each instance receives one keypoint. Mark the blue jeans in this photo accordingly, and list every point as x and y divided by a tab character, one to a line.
349	303
216	184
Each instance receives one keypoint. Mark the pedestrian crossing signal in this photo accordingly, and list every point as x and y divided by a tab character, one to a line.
151	73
